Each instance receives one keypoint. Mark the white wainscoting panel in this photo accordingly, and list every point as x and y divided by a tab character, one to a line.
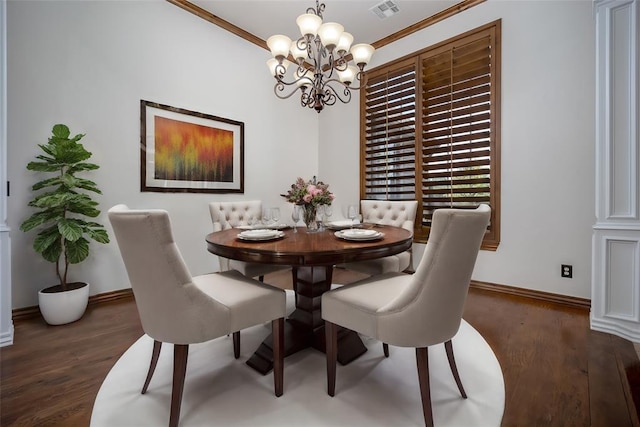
615	301
622	279
615	296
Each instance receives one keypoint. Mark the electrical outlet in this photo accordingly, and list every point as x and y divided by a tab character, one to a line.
566	270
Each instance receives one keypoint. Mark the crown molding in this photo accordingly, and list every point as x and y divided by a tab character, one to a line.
427	22
226	25
210	17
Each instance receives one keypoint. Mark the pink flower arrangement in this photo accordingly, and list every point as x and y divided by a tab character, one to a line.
310	192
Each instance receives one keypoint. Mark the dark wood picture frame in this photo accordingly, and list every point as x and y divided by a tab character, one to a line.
183	151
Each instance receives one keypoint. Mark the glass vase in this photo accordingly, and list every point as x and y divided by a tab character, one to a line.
309	218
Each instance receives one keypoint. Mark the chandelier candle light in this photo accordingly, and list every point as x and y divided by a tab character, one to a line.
320	54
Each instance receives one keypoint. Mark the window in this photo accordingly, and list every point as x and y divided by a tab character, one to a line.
431	129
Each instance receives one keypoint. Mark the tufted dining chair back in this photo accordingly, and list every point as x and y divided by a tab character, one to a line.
171	307
418	310
226	215
178	308
429	310
387	212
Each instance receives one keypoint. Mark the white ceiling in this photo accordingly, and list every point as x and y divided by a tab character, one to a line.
264	18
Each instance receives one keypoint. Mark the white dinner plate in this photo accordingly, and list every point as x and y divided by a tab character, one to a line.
276	226
245	227
260	234
358	234
341	225
263	227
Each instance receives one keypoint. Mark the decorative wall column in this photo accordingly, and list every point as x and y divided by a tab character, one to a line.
6	322
615	294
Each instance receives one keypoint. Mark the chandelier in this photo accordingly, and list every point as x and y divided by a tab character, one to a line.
323	56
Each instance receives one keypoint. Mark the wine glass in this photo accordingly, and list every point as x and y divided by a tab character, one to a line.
275	216
352	213
266	217
328	211
253	221
320	217
295	216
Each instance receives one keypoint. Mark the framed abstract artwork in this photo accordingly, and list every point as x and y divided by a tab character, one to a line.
186	151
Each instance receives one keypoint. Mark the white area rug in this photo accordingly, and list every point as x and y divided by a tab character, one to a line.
371	391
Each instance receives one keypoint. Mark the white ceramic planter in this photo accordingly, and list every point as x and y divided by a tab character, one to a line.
59	308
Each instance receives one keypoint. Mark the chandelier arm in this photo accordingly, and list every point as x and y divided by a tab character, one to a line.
331	66
280	70
302	72
340	64
361	77
307	98
318	10
280	87
329	97
332	93
303	44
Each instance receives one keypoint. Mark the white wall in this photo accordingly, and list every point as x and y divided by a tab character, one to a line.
340	152
88	64
548	109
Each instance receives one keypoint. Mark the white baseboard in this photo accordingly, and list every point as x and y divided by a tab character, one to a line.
6	338
616	328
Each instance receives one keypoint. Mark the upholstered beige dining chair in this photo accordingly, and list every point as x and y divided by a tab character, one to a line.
176	308
386	212
225	215
418	310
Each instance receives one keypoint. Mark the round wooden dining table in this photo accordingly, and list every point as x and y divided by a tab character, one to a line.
312	257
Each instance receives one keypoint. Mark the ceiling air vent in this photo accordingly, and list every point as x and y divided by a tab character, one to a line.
385	9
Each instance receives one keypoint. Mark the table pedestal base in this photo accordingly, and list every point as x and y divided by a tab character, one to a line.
304	327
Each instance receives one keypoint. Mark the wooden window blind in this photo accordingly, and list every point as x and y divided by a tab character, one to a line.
389	135
430	129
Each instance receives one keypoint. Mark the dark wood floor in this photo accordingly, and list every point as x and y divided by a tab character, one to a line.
557	372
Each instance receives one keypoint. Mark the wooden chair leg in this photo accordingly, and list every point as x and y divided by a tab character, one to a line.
236	344
422	357
385	349
331	338
277	331
180	353
454	369
157	346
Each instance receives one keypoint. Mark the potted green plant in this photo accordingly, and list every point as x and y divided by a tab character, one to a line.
62	206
